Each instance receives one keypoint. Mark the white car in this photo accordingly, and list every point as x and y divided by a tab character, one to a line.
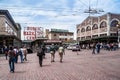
70	47
75	48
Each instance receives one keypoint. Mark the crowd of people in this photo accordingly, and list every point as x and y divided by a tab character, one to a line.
41	53
110	47
12	53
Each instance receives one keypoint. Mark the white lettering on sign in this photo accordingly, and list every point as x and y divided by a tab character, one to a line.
31	33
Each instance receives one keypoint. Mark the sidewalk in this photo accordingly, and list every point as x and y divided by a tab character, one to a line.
85	66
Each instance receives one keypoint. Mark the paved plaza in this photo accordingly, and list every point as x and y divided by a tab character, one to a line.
85	66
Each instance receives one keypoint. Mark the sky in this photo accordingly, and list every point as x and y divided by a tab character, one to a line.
59	14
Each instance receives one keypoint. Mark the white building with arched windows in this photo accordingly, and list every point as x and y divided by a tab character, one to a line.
101	28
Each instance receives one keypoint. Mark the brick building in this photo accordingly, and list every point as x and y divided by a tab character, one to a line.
102	28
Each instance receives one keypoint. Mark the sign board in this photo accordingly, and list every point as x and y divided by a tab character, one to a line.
31	33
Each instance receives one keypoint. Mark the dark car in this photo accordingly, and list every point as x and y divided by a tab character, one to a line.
29	51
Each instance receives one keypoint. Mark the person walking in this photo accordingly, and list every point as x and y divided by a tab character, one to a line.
6	52
21	52
16	54
44	50
25	54
11	54
94	47
78	48
61	52
40	54
52	52
98	47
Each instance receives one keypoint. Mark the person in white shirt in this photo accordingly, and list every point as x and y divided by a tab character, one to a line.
16	54
61	52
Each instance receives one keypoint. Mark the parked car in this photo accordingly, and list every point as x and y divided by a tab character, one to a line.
29	51
75	48
47	49
70	47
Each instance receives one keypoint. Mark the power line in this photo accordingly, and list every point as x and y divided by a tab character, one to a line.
47	23
83	3
38	8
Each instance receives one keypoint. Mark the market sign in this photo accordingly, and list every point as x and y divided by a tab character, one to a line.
31	33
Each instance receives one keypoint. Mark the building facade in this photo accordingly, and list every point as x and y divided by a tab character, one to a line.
10	32
102	28
59	34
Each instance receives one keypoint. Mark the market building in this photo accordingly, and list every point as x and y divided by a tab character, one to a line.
10	32
101	28
59	36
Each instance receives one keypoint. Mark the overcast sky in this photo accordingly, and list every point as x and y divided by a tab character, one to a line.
60	14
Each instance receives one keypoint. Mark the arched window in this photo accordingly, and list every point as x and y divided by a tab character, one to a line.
83	30
103	24
114	23
88	28
95	26
78	30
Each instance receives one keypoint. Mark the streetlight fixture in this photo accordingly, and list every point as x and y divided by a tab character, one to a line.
118	28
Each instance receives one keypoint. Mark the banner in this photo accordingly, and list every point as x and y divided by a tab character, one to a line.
31	33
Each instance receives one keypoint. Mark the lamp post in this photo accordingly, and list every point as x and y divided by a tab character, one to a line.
118	28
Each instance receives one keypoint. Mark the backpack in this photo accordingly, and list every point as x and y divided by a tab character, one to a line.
11	53
20	52
40	52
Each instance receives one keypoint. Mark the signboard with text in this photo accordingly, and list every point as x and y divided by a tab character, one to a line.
31	33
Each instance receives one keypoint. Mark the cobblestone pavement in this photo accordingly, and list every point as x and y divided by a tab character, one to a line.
85	66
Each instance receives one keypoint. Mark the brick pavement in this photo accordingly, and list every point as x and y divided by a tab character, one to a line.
85	66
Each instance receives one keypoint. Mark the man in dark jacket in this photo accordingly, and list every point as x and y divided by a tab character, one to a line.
94	47
11	54
98	47
40	54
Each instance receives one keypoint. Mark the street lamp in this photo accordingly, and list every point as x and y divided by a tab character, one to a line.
118	28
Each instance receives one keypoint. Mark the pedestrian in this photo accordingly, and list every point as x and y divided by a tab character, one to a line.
21	54
94	47
44	50
98	47
77	48
6	52
25	54
52	52
11	54
40	54
61	52
16	54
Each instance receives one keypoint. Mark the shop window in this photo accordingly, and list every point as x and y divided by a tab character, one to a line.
102	35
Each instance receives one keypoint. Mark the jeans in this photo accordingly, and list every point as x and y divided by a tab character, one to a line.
21	57
40	60
11	64
16	58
